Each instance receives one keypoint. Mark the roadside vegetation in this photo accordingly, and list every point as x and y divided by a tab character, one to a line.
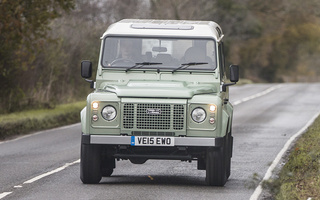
43	42
300	176
20	123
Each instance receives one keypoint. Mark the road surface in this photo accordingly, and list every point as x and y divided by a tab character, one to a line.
45	165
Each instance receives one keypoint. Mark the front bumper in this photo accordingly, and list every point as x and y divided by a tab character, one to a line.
126	140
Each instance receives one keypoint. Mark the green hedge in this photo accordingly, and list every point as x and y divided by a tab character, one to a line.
21	123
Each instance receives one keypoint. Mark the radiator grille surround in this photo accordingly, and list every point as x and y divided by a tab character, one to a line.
153	116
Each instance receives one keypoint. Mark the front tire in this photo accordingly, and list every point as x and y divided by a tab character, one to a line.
216	167
90	164
229	155
107	166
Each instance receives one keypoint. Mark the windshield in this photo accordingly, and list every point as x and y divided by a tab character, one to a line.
159	53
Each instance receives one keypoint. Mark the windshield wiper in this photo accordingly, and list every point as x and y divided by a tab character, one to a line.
186	65
142	64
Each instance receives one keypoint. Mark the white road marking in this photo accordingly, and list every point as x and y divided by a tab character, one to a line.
257	192
51	172
2	195
257	95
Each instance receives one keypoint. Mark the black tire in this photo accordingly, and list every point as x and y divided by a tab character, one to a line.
90	164
216	167
229	155
107	166
106	172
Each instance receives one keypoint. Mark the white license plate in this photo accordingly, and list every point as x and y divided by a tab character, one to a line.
151	141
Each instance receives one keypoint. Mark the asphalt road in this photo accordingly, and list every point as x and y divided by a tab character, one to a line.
45	165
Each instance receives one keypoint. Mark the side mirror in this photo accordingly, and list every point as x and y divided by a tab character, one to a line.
234	73
86	69
234	77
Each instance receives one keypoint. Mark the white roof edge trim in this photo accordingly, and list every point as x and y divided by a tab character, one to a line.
150	27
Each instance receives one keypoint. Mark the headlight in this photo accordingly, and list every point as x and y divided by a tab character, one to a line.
109	113
198	115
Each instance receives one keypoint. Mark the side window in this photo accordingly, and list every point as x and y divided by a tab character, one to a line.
221	61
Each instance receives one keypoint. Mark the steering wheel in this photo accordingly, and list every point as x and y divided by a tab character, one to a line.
123	60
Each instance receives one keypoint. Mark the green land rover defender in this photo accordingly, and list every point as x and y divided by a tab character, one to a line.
161	92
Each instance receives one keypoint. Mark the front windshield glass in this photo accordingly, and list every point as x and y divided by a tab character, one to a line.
159	53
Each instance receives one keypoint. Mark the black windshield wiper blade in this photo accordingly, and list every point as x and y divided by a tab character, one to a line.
186	65
142	64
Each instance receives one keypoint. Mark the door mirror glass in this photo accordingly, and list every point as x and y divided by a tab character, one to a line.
86	69
234	73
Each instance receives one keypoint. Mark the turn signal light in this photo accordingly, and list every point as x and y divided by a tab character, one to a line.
95	118
212	121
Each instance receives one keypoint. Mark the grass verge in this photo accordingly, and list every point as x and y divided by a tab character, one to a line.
20	123
300	176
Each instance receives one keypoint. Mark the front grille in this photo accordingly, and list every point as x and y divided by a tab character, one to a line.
152	133
153	116
178	117
128	115
160	119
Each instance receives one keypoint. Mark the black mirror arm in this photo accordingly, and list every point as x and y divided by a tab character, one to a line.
91	82
225	85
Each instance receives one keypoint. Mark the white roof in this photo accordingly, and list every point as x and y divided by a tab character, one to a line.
165	28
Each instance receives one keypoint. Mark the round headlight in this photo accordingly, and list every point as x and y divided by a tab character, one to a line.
109	113
198	115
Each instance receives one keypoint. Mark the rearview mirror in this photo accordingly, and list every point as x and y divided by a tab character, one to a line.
159	49
234	73
86	69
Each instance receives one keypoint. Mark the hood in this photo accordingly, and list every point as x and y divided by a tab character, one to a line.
161	89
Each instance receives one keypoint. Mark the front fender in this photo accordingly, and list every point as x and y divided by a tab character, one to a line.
227	118
83	117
